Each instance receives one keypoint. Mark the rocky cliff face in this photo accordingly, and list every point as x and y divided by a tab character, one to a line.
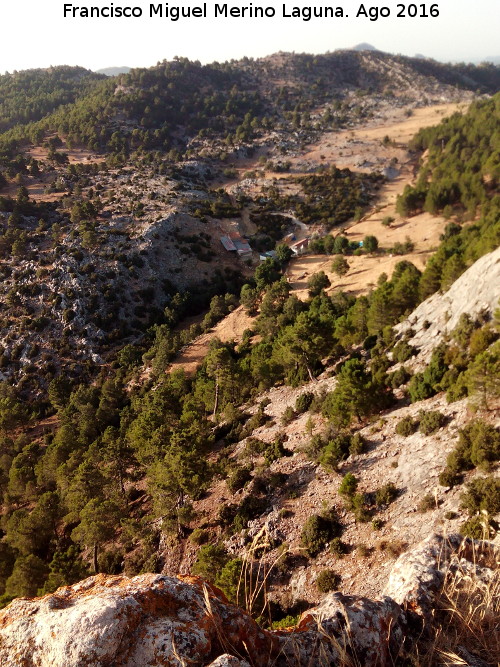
152	620
476	293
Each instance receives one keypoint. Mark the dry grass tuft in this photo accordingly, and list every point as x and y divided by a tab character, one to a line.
465	629
254	576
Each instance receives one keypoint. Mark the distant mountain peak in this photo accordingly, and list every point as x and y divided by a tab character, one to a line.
364	46
113	71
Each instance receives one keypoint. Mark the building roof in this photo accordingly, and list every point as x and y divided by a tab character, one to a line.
242	246
227	243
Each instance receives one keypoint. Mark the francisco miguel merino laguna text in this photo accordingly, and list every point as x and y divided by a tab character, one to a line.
174	13
251	11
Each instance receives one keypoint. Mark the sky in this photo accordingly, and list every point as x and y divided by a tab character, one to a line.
36	34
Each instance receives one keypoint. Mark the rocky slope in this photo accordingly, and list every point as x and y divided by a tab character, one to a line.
152	620
476	293
412	463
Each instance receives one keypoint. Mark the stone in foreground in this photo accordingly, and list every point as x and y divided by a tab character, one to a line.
153	620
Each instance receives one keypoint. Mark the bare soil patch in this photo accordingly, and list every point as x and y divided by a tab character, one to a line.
75	155
229	329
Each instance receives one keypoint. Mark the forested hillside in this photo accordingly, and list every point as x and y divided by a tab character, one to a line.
462	164
164	106
32	94
100	471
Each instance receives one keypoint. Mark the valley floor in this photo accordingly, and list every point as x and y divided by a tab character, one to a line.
365	152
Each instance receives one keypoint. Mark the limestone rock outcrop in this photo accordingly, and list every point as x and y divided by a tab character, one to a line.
476	293
152	620
417	576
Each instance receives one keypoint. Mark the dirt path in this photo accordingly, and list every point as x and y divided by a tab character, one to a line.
364	145
230	328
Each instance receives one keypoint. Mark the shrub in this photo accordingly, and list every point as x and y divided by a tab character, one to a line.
256	421
275	450
449	478
478	445
327	581
430	421
358	506
317	282
386	494
358	444
483	494
249	508
209	562
314	447
277	480
463	331
370	244
403	248
427	503
399	377
419	388
287	622
481	339
229	578
303	402
377	524
387	220
370	342
288	416
199	536
254	446
406	426
317	533
363	551
238	478
459	389
478	528
348	485
337	547
336	450
340	266
402	352
392	547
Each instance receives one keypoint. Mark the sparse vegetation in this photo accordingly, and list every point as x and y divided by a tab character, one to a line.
327	580
317	532
427	503
406	426
464	619
392	548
